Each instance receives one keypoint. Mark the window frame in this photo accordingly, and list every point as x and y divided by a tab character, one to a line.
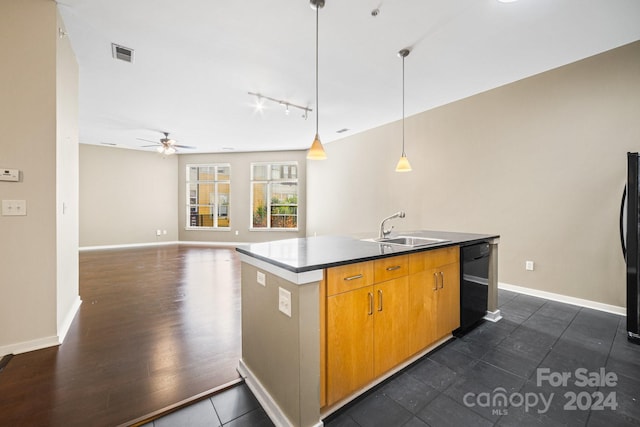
269	181
216	191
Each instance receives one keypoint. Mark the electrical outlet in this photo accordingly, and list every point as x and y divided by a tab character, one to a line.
262	280
528	265
284	301
164	232
158	232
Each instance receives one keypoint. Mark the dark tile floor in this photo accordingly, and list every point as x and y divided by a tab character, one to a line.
520	359
235	407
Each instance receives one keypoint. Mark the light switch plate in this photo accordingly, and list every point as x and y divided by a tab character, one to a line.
284	301
14	207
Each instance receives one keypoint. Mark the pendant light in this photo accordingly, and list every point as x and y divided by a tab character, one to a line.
316	152
403	164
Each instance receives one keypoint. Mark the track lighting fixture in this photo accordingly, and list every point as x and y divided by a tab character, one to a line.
260	104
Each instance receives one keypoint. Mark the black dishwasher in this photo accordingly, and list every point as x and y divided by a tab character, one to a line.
474	285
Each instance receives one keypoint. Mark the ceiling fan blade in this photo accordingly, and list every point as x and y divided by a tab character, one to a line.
148	140
184	146
144	146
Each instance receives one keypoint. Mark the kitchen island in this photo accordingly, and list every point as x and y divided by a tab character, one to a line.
326	318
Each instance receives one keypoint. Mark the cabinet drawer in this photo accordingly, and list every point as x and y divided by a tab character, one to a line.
427	260
390	268
349	277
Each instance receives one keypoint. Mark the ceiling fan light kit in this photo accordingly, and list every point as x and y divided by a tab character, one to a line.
166	146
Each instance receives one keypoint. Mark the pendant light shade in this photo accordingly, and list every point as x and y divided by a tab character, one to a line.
403	164
316	152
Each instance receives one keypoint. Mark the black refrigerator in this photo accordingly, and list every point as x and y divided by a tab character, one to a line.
630	237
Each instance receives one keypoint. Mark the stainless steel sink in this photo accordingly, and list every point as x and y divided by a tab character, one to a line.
409	241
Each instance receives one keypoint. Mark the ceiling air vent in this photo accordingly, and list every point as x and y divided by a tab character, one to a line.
123	53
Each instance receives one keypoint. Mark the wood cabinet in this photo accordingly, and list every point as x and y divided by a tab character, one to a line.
365	323
379	313
434	296
349	342
390	338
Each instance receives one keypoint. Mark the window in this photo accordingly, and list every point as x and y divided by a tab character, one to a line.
208	196
274	196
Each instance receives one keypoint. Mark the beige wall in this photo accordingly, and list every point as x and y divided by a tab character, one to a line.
126	196
239	198
32	261
283	352
542	162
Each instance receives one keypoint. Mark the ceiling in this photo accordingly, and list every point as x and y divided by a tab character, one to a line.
195	61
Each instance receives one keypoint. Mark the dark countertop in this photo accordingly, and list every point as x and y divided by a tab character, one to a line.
317	253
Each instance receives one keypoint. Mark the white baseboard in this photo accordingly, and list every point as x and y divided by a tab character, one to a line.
614	309
267	402
215	244
151	244
26	346
493	316
126	246
68	319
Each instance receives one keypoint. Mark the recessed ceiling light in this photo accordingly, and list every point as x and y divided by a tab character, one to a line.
507	1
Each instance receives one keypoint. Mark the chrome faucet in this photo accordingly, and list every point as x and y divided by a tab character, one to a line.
384	233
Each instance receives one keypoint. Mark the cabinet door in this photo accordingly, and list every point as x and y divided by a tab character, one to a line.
391	329
422	308
448	309
349	342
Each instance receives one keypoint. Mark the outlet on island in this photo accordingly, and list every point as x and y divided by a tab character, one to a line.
284	301
261	278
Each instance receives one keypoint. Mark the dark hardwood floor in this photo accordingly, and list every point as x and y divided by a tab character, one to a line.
156	326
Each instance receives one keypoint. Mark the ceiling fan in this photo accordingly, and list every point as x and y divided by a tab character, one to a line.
166	145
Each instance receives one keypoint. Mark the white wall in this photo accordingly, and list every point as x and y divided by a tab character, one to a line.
126	196
68	299
32	260
542	162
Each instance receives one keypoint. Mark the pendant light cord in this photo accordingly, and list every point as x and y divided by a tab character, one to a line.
403	153
317	102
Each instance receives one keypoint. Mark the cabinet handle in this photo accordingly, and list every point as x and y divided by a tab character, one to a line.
395	267
357	276
441	280
435	281
379	299
370	303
